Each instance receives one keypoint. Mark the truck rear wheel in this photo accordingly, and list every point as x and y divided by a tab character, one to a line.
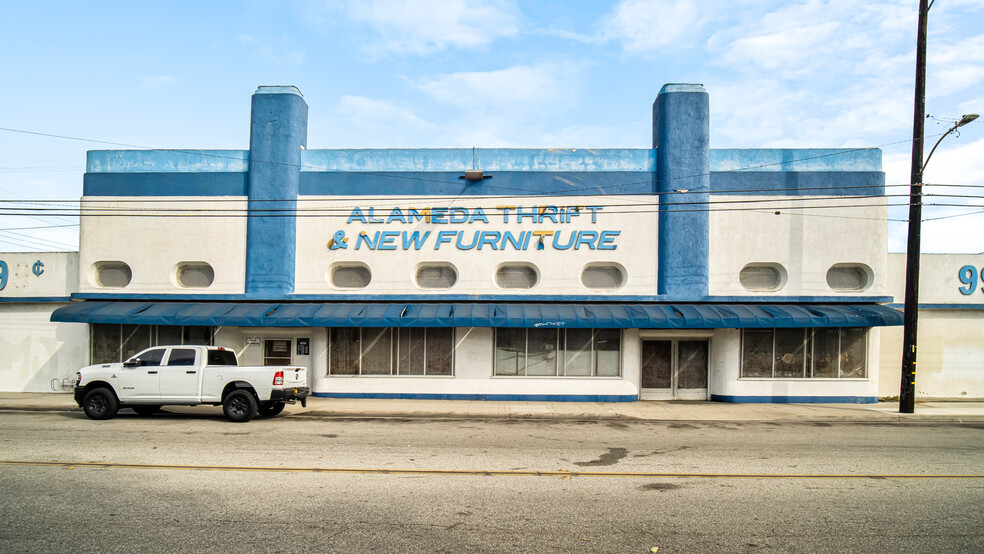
271	409
100	403
239	405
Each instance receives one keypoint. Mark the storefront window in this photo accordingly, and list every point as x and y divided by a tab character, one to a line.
114	343
510	351
343	354
440	351
391	351
557	352
827	353
757	353
790	360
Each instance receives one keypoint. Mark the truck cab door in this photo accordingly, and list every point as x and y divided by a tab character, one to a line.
140	375
180	375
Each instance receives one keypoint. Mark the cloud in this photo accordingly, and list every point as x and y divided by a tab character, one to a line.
362	122
644	26
360	108
512	89
426	26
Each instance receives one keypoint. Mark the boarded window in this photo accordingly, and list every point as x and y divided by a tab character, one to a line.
113	275
436	277
761	277
351	277
848	277
516	277
602	277
195	275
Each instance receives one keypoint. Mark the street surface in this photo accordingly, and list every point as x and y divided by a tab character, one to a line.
189	481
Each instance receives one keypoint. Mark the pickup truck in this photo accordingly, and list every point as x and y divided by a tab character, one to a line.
188	376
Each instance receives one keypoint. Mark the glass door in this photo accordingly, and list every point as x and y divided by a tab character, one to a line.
674	369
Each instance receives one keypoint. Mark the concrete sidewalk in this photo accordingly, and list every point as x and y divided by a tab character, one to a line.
956	411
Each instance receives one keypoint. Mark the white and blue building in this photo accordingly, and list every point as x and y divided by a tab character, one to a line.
675	271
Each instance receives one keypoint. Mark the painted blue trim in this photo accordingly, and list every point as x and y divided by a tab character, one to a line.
166	161
942	306
795	399
497	183
796	159
681	137
36	299
799	183
504	183
491	397
799	299
164	184
278	134
488	159
484	298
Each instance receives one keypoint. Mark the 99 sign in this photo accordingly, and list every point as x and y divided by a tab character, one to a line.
968	276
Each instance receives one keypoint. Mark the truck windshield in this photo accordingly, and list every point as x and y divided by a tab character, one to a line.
221	357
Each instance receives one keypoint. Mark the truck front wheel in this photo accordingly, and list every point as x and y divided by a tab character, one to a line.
100	403
271	409
239	405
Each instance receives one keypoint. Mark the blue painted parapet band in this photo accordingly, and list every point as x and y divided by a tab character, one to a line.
278	132
681	137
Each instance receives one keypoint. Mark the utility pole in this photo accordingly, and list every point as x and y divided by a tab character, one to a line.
907	389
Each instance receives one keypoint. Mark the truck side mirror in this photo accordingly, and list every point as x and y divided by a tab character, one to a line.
132	362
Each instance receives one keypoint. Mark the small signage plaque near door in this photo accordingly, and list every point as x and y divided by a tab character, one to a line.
303	347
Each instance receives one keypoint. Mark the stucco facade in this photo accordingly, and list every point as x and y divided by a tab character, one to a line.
677	271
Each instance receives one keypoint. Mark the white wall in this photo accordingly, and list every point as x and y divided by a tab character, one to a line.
804	241
250	352
35	350
393	271
40	274
154	246
950	355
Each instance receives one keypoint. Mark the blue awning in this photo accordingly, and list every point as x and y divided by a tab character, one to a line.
587	315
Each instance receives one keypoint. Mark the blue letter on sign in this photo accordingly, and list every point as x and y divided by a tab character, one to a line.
968	276
3	274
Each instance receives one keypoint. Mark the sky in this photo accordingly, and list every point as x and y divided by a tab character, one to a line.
487	73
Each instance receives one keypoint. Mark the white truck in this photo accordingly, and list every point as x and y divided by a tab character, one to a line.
188	376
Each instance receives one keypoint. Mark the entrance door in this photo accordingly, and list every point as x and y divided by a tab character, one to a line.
674	369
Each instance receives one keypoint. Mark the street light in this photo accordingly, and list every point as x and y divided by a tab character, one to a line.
963	121
907	388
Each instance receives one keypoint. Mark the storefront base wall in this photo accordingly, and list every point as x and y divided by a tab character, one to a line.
33	350
727	386
248	343
473	380
950	357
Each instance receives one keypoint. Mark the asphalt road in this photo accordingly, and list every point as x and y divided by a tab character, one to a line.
189	481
